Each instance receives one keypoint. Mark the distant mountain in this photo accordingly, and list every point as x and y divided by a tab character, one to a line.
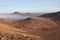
16	13
27	14
54	15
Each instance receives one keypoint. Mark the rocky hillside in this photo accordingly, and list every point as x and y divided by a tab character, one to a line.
10	33
41	28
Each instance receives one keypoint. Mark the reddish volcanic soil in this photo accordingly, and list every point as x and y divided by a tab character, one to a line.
43	28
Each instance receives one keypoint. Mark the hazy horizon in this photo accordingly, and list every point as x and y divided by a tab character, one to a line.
29	5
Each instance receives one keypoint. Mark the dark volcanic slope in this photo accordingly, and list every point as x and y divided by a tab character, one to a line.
54	15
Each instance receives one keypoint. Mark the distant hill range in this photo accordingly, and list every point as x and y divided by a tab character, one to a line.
27	14
54	15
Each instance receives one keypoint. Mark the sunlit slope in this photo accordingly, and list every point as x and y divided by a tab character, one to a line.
43	27
46	28
5	29
8	29
35	23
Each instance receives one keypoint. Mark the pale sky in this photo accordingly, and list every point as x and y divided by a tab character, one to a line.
29	5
